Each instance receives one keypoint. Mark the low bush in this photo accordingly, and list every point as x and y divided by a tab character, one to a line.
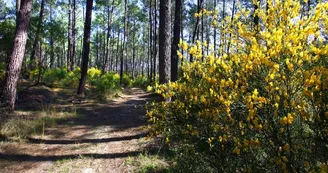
53	76
107	83
97	83
262	106
141	82
127	81
72	79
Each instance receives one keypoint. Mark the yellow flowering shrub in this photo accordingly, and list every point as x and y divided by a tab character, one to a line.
94	73
262	106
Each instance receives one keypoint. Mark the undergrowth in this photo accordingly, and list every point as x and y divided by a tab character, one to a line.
98	83
17	126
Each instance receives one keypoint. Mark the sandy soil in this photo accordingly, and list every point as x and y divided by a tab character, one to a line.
100	139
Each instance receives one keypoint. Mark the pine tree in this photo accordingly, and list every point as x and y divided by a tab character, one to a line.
16	58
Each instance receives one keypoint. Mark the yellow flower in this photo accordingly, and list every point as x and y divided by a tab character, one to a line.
149	88
236	151
220	139
180	42
184	46
196	15
324	168
215	22
255	93
167	140
205	44
283	121
179	54
202	99
290	118
276	66
204	11
192	50
276	105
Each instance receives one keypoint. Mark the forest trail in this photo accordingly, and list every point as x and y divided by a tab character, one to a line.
99	139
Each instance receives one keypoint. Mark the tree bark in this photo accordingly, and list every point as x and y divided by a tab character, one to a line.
97	48
73	53
181	24
150	66
117	50
40	63
18	4
69	44
124	37
109	27
127	44
64	55
215	29
112	52
100	50
86	47
164	41
133	48
16	58
202	36
60	56
155	42
141	63
81	53
222	37
196	30
52	55
256	17
37	36
176	39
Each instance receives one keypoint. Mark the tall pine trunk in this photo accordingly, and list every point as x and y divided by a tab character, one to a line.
86	47
37	36
64	54
73	53
133	49
150	52
18	4
181	24
215	29
117	50
111	48
155	42
164	41
16	58
97	48
222	37
124	37
176	39
109	27
106	43
52	54
69	44
196	30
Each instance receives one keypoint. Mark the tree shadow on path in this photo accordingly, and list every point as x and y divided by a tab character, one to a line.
83	141
116	125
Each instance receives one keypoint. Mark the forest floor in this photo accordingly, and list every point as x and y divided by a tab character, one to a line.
99	138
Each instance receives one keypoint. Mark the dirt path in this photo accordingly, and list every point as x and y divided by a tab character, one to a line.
99	140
